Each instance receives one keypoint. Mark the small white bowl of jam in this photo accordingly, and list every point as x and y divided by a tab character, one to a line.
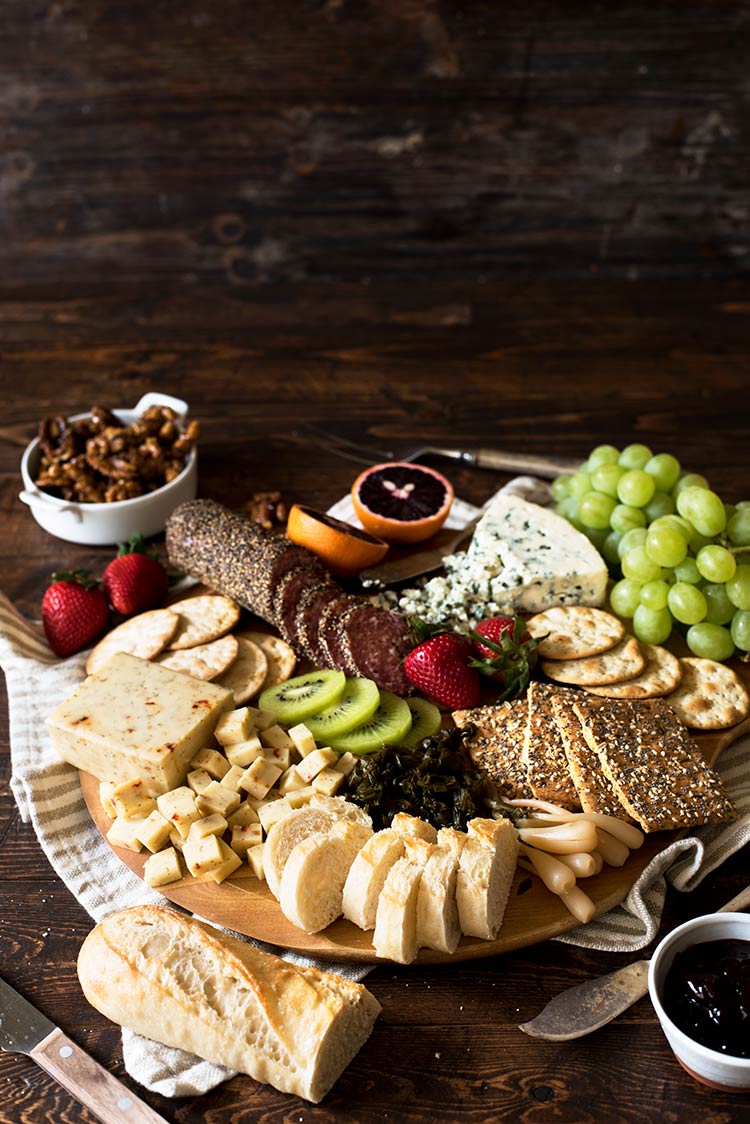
699	983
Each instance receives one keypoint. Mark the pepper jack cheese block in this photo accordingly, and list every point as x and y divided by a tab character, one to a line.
138	719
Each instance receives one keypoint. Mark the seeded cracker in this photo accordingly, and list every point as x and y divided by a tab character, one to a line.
203	619
280	658
544	758
574	631
662	673
204	661
654	765
710	695
143	636
624	661
594	789
497	744
246	674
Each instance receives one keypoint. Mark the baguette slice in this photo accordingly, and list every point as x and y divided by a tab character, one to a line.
395	936
438	923
485	874
367	876
312	885
411	827
308	820
187	985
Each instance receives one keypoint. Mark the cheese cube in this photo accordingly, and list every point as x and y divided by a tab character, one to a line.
303	740
154	831
176	840
290	780
345	763
232	778
299	796
328	781
179	808
203	855
245	836
255	861
213	762
315	762
231	860
271	811
278	755
217	799
245	814
244	753
106	789
259	778
137	719
199	780
211	825
235	726
162	868
123	833
261	719
131	800
276	737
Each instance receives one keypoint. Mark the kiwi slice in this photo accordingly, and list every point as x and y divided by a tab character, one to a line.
296	699
426	720
358	703
389	725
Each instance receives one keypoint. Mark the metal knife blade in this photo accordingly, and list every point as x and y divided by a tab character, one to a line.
22	1027
400	566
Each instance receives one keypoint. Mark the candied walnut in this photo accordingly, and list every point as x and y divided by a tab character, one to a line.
104	419
268	509
123	490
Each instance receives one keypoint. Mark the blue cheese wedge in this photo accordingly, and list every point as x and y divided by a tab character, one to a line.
522	558
138	719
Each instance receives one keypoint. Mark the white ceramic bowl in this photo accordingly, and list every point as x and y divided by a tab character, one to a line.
719	1071
105	524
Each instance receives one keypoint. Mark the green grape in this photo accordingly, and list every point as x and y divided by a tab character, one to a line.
653	626
596	536
560	488
636	536
686	603
710	641
624	597
738	527
579	484
605	478
635	456
715	563
635	488
603	454
594	510
742	505
697	541
687	571
654	595
665	546
677	522
740	630
609	548
665	470
729	510
689	480
720	608
624	518
738	588
660	504
568	508
637	565
703	509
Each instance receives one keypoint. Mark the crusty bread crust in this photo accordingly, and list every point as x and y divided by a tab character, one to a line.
187	985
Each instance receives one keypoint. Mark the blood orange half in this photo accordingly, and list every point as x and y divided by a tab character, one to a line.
345	549
402	502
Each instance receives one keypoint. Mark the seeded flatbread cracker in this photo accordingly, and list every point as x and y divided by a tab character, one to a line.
624	661
661	675
575	631
710	695
203	661
203	619
654	765
247	673
145	636
497	744
594	789
543	756
280	656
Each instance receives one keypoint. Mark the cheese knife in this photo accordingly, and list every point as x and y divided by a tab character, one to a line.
399	567
24	1030
591	1005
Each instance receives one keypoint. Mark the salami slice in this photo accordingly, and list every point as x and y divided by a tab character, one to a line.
375	642
313	600
330	633
286	601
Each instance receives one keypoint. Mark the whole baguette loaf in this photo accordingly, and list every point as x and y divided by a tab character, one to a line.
185	984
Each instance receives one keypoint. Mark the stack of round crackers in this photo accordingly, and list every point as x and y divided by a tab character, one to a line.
590	648
198	636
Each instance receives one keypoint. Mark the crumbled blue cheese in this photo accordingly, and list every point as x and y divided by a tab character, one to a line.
523	558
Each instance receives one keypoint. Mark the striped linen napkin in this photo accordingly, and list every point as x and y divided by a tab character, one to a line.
48	794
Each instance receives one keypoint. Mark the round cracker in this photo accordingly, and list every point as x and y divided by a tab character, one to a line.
710	695
572	632
661	675
280	656
202	661
145	636
246	675
203	619
624	661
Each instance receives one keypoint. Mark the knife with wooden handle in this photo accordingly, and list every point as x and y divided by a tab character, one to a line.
24	1030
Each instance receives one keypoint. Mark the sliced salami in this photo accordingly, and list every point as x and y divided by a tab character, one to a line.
313	600
330	633
375	641
285	601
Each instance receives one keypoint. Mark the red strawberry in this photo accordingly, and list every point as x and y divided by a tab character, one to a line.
506	652
439	667
135	580
74	612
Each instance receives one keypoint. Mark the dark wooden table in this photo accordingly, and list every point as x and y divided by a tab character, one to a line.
470	223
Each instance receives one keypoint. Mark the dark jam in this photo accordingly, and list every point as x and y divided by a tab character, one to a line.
707	995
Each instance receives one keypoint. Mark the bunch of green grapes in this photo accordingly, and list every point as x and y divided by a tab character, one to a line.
675	548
